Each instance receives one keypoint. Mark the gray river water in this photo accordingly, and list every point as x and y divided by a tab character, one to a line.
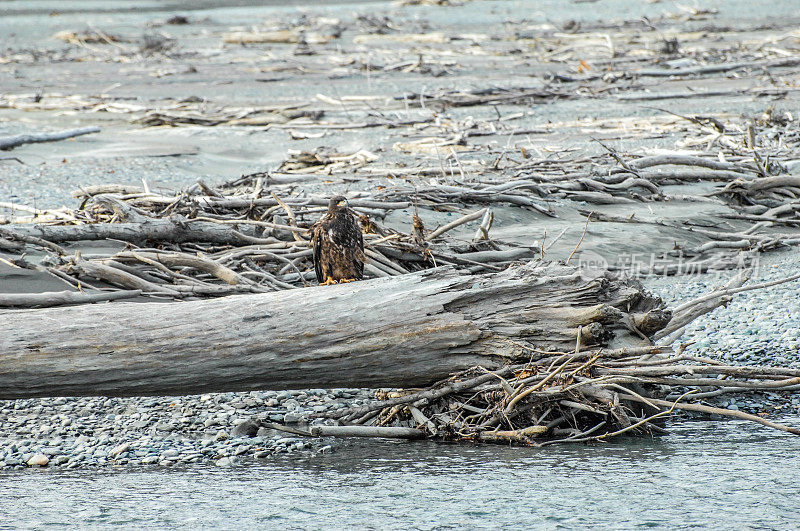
729	475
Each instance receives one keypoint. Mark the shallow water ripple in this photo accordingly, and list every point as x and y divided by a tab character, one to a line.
701	476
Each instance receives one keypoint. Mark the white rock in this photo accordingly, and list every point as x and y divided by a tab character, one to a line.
38	460
225	461
120	448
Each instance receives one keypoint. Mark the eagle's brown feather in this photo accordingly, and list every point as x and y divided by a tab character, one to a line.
338	245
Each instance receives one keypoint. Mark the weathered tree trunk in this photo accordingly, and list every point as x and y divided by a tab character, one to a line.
404	331
167	230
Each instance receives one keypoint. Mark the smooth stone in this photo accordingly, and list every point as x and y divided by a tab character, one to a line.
248	428
292	417
38	460
291	404
241	449
119	449
225	461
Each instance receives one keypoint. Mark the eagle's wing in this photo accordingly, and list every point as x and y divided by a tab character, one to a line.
317	235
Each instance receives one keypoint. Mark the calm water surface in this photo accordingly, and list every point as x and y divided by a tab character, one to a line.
733	475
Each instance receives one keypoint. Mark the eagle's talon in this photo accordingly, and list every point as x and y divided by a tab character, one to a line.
329	282
344	280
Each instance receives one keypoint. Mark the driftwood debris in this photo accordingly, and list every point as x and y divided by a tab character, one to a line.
206	242
578	396
10	142
406	331
61	298
566	397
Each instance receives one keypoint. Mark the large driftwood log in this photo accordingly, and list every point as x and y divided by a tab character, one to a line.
404	331
168	230
61	298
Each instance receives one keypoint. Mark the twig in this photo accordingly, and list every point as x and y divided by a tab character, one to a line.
586	226
456	223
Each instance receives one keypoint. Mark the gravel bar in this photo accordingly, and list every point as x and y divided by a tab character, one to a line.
759	327
162	431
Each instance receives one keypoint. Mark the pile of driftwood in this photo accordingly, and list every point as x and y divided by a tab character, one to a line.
564	397
747	173
238	237
248	236
251	234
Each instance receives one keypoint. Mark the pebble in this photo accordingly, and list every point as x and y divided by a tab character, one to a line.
755	328
225	461
38	460
245	428
92	432
119	449
292	417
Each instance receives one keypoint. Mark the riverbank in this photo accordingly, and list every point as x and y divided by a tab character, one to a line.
113	432
192	105
98	432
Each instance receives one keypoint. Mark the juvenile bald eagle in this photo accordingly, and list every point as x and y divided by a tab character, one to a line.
338	244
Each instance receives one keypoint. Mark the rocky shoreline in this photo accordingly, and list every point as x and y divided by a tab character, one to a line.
98	431
218	428
760	327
